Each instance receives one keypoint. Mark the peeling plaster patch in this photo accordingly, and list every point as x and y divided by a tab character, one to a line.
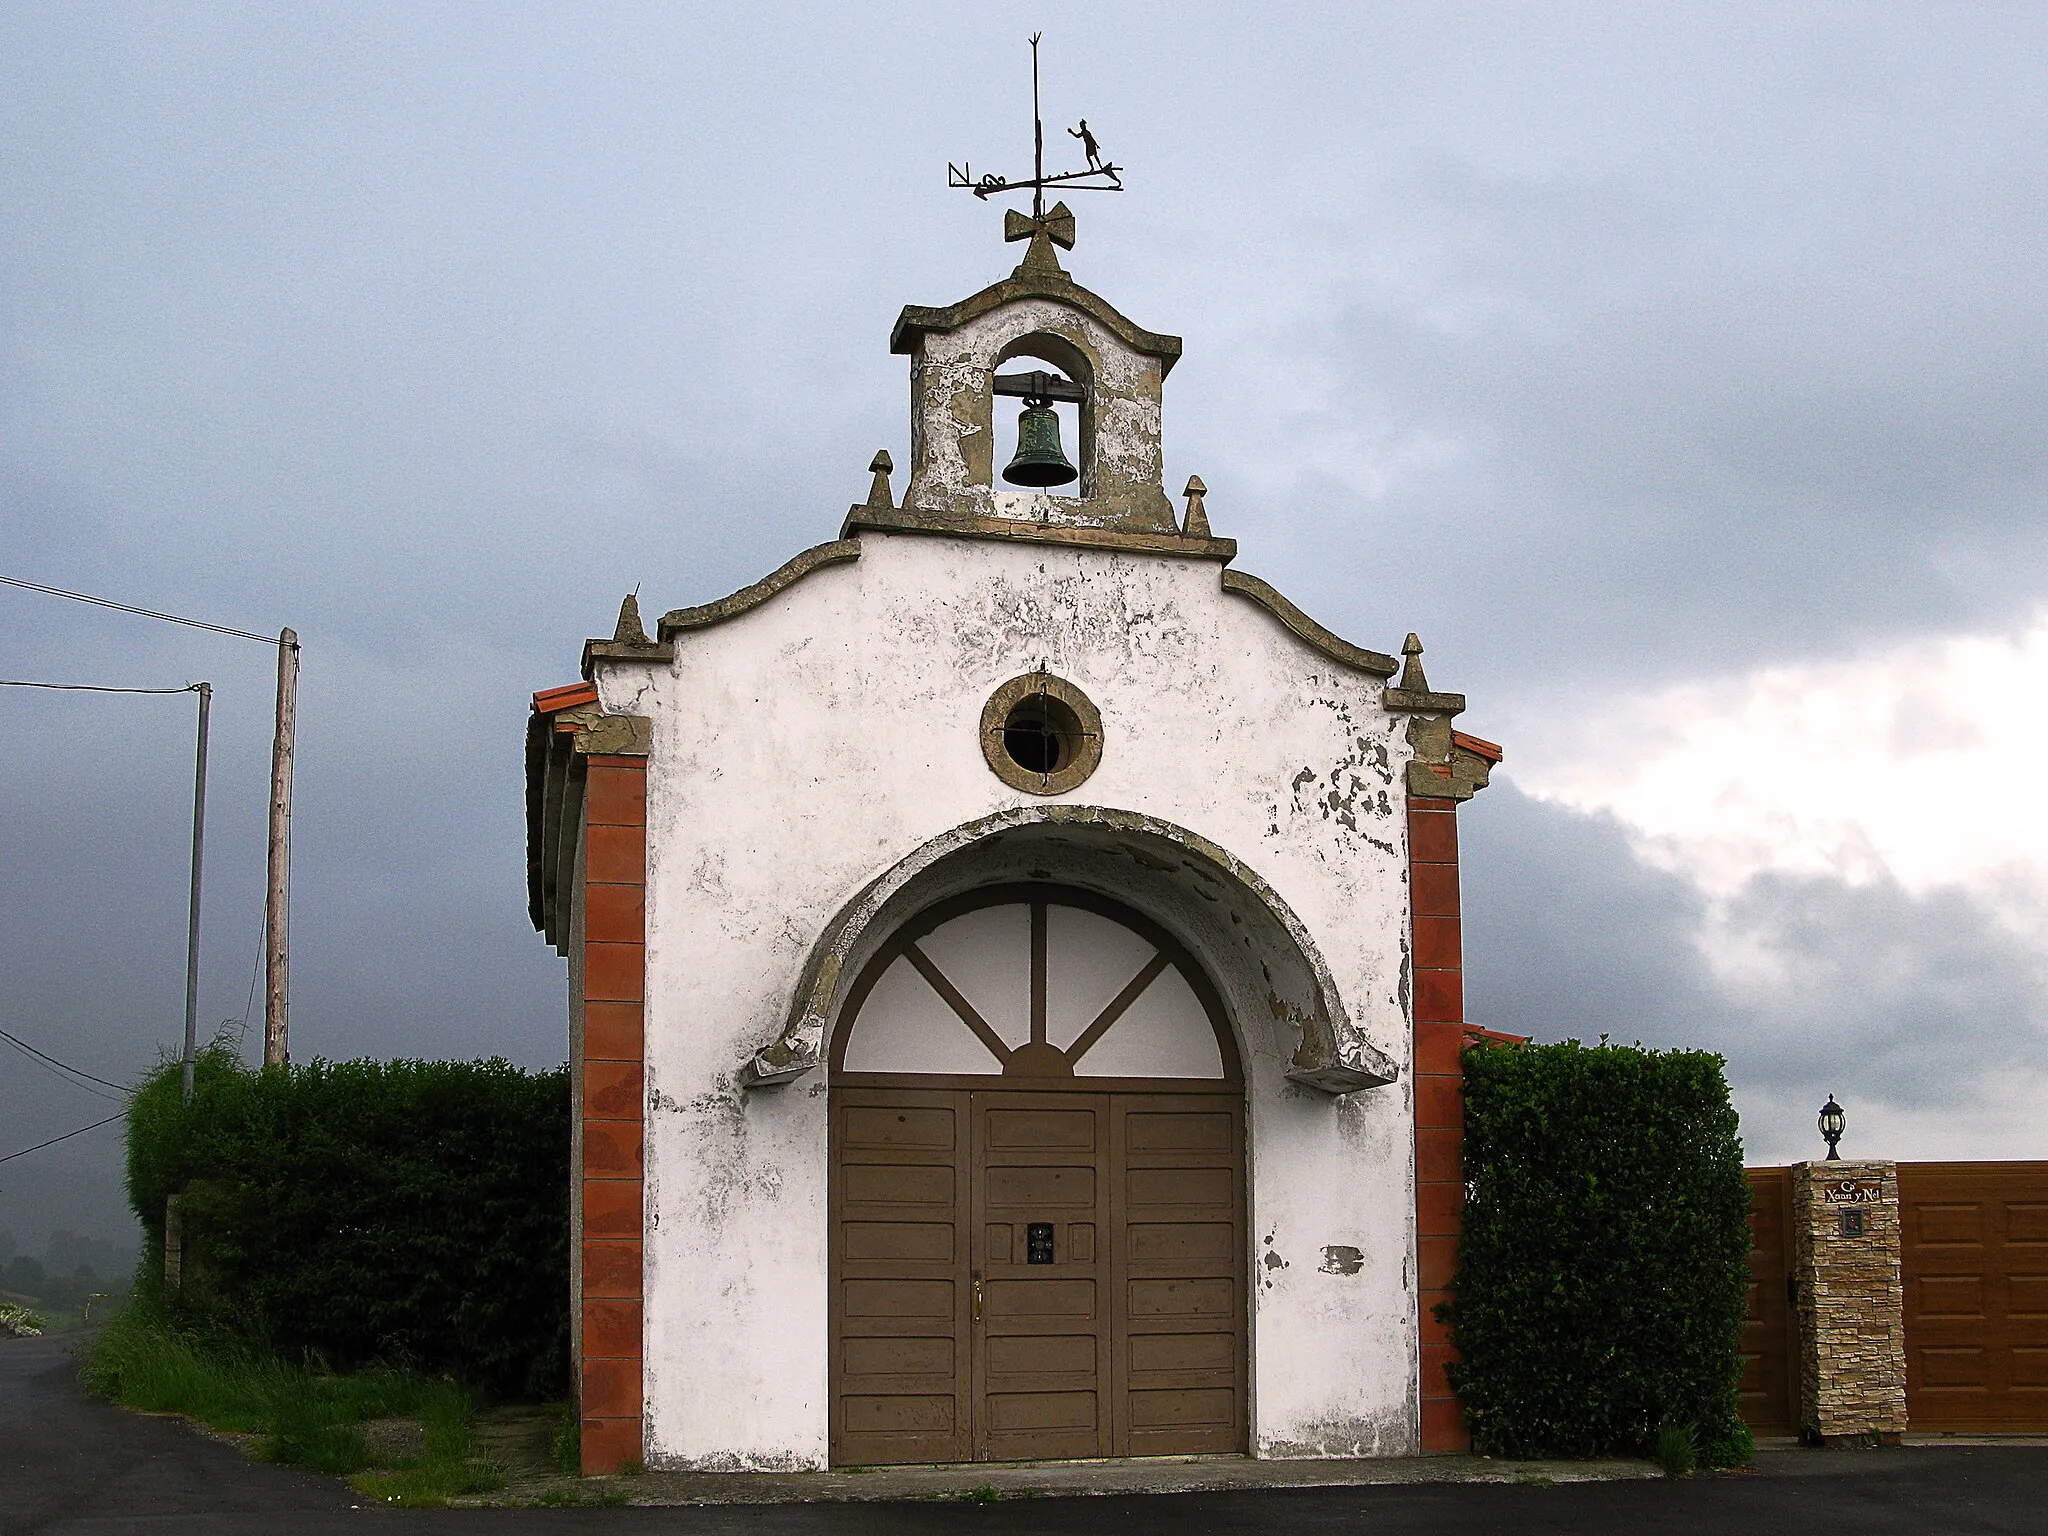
1351	795
1065	617
1342	1259
1355	784
1332	1439
1271	1262
733	1462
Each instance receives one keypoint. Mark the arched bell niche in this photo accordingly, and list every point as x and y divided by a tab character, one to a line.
1043	986
1046	352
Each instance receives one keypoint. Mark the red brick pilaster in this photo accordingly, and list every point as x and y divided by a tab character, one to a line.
614	905
1439	972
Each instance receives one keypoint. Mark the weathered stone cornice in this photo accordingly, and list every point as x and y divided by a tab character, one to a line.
1333	1055
1305	628
1399	701
595	651
917	319
862	519
838	552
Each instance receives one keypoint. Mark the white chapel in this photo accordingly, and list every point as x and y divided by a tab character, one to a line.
1014	964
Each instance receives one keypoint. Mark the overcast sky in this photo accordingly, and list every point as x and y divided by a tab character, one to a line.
1681	374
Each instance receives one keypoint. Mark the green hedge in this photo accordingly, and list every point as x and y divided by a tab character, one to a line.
1604	1264
413	1213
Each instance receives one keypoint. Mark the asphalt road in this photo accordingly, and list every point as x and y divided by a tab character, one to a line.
74	1465
69	1462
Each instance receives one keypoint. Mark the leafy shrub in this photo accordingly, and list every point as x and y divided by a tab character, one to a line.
412	1213
20	1322
1604	1263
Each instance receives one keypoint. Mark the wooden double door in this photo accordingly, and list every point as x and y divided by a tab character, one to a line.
1023	1275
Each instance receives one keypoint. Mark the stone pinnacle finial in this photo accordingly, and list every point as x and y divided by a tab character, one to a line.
630	631
1412	680
1196	524
880	495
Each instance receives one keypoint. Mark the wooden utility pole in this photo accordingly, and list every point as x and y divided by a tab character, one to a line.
205	692
278	897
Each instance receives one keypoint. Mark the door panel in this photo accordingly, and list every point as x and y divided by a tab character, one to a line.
1042	1342
900	1297
1770	1359
1179	1270
1974	1256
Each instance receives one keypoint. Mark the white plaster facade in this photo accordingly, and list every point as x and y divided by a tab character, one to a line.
815	775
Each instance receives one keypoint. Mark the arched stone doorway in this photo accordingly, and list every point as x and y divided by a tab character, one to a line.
1038	1241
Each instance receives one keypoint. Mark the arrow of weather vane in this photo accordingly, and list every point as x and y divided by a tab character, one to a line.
1100	175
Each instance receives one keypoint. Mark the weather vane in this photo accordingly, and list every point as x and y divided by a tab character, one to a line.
1058	225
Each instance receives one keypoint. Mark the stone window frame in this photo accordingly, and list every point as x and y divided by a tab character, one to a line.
995	715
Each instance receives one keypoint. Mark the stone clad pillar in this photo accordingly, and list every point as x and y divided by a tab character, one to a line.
1851	1302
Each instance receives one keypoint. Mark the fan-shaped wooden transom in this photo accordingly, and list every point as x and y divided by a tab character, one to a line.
1039	982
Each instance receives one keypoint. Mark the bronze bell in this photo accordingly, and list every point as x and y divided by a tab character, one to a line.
1039	461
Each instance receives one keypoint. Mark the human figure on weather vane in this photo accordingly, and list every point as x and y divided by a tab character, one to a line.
1057	224
1088	145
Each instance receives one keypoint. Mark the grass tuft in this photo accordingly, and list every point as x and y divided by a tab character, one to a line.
303	1414
1678	1450
579	1498
567	1444
429	1485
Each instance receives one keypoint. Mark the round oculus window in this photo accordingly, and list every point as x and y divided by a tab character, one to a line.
1041	734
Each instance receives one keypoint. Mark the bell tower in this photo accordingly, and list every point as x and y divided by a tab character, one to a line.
1085	352
1038	337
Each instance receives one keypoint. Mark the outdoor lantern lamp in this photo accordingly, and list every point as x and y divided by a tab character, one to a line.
1832	1120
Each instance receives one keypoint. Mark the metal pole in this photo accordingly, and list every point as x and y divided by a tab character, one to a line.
1037	139
205	691
277	900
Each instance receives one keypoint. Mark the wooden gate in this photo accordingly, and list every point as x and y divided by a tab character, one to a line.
1974	1251
1770	1344
1028	1276
1038	1192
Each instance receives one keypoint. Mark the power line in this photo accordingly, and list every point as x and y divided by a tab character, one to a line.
76	1082
277	895
24	1152
9	682
45	1056
147	613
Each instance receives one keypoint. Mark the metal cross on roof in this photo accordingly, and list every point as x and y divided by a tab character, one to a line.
1058	224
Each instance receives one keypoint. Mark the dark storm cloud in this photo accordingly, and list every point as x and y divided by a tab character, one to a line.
1915	1004
1654	443
1600	346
